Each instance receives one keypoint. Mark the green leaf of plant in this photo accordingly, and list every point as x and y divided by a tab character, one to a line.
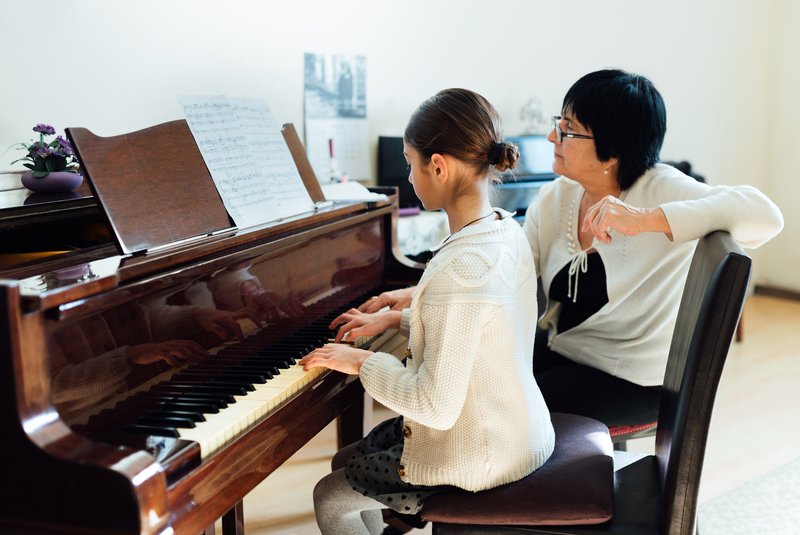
40	174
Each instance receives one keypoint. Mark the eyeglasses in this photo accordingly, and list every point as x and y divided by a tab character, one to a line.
560	134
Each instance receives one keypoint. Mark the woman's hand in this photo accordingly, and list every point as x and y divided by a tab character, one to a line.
613	214
339	357
174	353
355	323
394	299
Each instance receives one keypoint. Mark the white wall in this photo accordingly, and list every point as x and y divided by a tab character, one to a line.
779	260
115	67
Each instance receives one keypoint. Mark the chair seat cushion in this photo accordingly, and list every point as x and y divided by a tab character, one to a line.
575	486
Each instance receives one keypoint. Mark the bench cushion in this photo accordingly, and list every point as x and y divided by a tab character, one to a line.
575	486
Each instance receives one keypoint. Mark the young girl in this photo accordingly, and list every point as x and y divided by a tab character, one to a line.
471	413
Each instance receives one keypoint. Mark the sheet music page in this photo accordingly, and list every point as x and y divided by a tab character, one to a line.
219	137
249	195
272	156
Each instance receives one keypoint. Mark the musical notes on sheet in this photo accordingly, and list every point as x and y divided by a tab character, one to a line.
247	158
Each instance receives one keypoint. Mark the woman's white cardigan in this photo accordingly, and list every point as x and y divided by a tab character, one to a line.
630	336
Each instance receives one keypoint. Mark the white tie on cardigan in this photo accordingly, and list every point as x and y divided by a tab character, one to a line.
578	264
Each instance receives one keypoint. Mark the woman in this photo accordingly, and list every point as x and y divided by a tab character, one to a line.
612	240
471	414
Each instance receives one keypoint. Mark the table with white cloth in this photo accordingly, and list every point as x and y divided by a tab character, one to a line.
418	233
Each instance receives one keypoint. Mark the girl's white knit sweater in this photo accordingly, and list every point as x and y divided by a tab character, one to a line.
474	415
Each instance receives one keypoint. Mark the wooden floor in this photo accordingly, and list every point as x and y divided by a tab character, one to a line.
753	428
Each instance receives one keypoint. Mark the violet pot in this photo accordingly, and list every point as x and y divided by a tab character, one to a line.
56	181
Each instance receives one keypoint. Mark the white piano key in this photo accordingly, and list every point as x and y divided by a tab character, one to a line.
229	423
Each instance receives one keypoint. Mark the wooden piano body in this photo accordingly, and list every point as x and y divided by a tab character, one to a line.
89	446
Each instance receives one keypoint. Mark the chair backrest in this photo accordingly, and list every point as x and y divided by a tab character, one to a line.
709	311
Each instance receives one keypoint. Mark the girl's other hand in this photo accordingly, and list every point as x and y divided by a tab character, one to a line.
339	357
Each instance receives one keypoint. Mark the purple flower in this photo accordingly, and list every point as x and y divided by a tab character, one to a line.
44	157
66	146
45	129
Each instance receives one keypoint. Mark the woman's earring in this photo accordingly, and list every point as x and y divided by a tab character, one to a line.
605	171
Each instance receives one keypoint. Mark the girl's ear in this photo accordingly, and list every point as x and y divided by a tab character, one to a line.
439	167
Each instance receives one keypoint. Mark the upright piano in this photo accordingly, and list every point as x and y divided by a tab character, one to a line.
148	379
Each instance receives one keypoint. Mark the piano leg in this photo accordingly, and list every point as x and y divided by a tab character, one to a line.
352	423
233	520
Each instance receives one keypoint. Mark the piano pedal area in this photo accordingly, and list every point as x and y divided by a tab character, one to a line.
283	503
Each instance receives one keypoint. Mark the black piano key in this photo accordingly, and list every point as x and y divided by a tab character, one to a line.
255	367
166	421
211	372
241	388
204	380
222	394
277	362
294	353
217	388
153	430
289	349
171	412
213	401
273	354
259	367
202	408
131	411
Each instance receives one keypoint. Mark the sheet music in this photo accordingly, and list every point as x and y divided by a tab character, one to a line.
272	156
241	167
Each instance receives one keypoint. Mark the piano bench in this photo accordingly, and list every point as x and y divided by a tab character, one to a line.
575	486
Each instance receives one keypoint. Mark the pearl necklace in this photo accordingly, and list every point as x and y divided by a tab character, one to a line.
569	234
579	260
573	245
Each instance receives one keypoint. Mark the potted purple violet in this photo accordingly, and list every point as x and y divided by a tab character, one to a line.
53	165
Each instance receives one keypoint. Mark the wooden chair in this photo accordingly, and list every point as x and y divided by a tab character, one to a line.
653	494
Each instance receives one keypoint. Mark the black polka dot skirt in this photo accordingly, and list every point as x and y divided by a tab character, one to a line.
372	470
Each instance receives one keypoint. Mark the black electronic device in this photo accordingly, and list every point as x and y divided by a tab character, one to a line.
393	170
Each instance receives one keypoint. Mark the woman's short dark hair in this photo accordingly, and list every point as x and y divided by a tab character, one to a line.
463	124
626	115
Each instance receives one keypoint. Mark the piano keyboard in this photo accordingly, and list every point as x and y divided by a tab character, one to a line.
220	428
213	401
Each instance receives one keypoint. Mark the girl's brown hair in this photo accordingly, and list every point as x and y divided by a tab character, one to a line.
463	124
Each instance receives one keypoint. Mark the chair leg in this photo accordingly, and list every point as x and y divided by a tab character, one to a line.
233	520
740	329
